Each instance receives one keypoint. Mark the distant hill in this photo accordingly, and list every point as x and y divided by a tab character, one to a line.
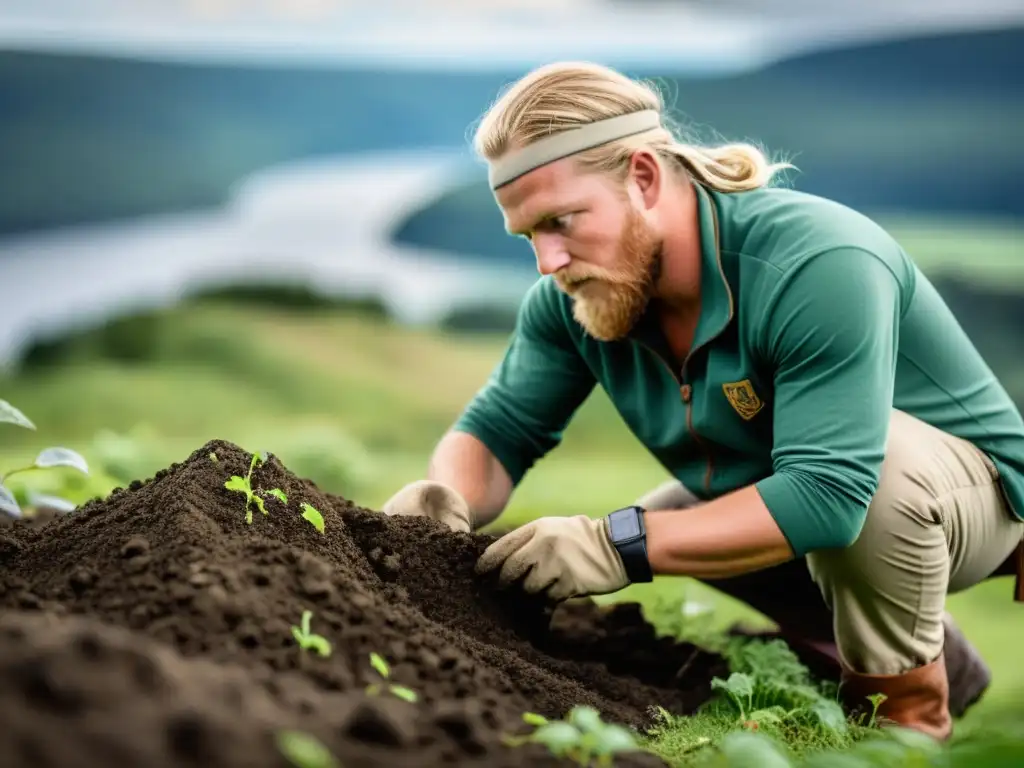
922	125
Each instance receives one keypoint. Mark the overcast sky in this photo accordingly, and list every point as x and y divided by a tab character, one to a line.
477	33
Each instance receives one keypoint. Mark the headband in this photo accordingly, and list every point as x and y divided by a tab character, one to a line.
559	145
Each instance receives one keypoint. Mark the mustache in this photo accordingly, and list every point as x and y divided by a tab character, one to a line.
575	280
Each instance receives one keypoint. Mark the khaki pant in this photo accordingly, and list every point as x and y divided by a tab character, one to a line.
938	524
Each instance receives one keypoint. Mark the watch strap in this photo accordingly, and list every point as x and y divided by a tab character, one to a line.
628	535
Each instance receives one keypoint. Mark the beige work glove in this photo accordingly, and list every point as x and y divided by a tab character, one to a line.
428	498
562	556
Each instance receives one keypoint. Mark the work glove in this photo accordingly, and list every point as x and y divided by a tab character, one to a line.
429	498
563	557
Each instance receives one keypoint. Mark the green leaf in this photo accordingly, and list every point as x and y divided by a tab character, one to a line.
614	738
740	685
259	503
61	457
833	759
830	714
883	752
237	483
558	737
404	693
304	751
586	719
52	502
8	504
312	515
11	415
914	740
743	749
534	719
278	494
773	714
320	644
378	663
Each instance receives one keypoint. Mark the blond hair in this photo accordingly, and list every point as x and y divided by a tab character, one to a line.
565	95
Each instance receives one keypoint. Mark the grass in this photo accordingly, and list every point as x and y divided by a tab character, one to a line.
984	251
357	404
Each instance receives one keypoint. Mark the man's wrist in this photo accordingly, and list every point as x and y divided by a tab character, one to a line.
628	534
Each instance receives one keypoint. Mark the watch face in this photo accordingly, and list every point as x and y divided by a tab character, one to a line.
624	524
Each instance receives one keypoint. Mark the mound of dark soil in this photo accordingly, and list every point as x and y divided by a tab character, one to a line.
154	629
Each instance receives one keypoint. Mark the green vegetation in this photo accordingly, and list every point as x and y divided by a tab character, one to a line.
308	640
384	670
244	485
47	458
304	751
582	736
312	514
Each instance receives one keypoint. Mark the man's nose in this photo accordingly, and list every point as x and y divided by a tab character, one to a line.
551	255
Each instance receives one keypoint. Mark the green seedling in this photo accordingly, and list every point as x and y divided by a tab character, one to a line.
304	751
309	641
740	689
583	737
244	485
253	497
374	689
876	700
48	458
311	514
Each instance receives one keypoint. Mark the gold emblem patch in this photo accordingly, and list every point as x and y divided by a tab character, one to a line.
743	398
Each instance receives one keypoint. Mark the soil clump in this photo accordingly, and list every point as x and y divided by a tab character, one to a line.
154	628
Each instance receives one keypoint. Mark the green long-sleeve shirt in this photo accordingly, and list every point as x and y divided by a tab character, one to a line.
814	325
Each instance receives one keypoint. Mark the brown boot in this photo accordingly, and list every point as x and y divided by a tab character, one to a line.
967	673
918	699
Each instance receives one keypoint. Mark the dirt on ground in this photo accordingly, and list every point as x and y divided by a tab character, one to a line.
154	628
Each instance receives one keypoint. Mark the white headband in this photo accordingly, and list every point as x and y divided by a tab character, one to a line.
559	145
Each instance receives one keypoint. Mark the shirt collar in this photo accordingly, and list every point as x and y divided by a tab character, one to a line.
717	305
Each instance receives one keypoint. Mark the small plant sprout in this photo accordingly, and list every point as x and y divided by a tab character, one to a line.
740	689
373	689
304	751
582	737
244	485
876	700
308	640
48	458
253	497
313	515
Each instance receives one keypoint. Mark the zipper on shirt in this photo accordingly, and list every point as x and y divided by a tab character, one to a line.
685	388
686	391
686	395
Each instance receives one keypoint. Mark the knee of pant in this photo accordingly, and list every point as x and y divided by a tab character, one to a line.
898	523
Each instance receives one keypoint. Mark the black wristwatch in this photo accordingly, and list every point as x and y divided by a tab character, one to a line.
629	537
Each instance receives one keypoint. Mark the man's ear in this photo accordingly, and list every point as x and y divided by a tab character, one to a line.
646	174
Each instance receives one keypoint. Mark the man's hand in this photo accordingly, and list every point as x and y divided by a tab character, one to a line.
562	556
428	498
